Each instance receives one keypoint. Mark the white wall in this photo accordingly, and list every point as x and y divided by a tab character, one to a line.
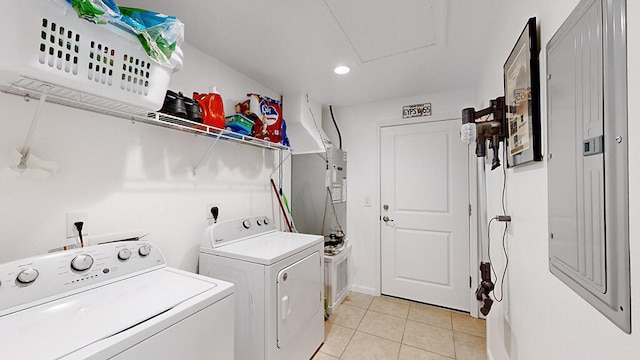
360	126
130	176
542	318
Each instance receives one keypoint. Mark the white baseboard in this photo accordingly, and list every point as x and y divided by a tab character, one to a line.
365	290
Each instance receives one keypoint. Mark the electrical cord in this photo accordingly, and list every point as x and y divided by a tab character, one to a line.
504	234
336	125
79	226
324	216
329	198
504	178
506	265
335	214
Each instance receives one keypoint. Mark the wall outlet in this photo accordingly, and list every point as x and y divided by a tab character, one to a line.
209	216
74	217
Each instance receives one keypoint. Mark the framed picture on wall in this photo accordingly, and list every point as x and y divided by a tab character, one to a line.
522	98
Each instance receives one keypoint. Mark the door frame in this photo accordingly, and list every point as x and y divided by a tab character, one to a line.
473	201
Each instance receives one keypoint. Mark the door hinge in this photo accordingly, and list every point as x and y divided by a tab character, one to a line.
470	281
469	209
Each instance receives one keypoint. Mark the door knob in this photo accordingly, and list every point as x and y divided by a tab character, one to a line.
386	219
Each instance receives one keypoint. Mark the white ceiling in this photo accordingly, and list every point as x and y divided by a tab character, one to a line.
394	48
376	35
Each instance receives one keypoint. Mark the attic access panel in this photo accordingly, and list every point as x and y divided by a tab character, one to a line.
588	157
389	28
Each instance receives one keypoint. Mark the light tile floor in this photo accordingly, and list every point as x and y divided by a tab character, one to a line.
383	328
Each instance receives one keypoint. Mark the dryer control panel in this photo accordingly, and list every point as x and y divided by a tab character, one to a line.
228	231
31	281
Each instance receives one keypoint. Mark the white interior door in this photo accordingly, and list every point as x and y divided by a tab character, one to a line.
425	202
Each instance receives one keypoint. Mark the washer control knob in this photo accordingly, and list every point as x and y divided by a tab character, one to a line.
259	222
81	262
246	224
144	250
124	254
265	221
28	276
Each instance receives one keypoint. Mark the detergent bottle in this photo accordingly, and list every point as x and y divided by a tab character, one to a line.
212	108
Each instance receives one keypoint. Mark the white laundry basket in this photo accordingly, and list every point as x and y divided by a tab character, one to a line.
44	41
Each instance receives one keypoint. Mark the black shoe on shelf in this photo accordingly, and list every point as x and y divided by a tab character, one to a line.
194	112
174	104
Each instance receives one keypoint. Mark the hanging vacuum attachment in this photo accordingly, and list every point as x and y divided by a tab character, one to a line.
485	288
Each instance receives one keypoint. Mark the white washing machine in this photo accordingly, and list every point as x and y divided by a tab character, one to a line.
279	286
112	301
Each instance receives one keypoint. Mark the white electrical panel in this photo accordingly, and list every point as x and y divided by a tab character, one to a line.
576	194
588	157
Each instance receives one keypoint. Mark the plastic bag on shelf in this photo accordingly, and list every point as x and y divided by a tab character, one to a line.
158	34
96	11
285	138
266	114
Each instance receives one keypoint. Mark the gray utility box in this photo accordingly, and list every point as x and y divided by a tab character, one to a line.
588	157
319	192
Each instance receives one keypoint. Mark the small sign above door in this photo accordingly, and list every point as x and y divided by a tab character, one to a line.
417	110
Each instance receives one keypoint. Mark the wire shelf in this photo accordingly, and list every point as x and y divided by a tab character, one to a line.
60	95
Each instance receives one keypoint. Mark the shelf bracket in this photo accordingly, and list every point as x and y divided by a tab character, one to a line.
204	156
26	147
279	167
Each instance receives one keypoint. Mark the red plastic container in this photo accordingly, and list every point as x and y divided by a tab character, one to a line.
212	109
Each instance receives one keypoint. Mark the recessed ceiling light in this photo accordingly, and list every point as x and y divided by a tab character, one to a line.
341	70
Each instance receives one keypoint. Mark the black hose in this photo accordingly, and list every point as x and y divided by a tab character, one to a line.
336	125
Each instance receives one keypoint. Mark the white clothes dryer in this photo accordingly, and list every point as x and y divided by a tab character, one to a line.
279	286
112	301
